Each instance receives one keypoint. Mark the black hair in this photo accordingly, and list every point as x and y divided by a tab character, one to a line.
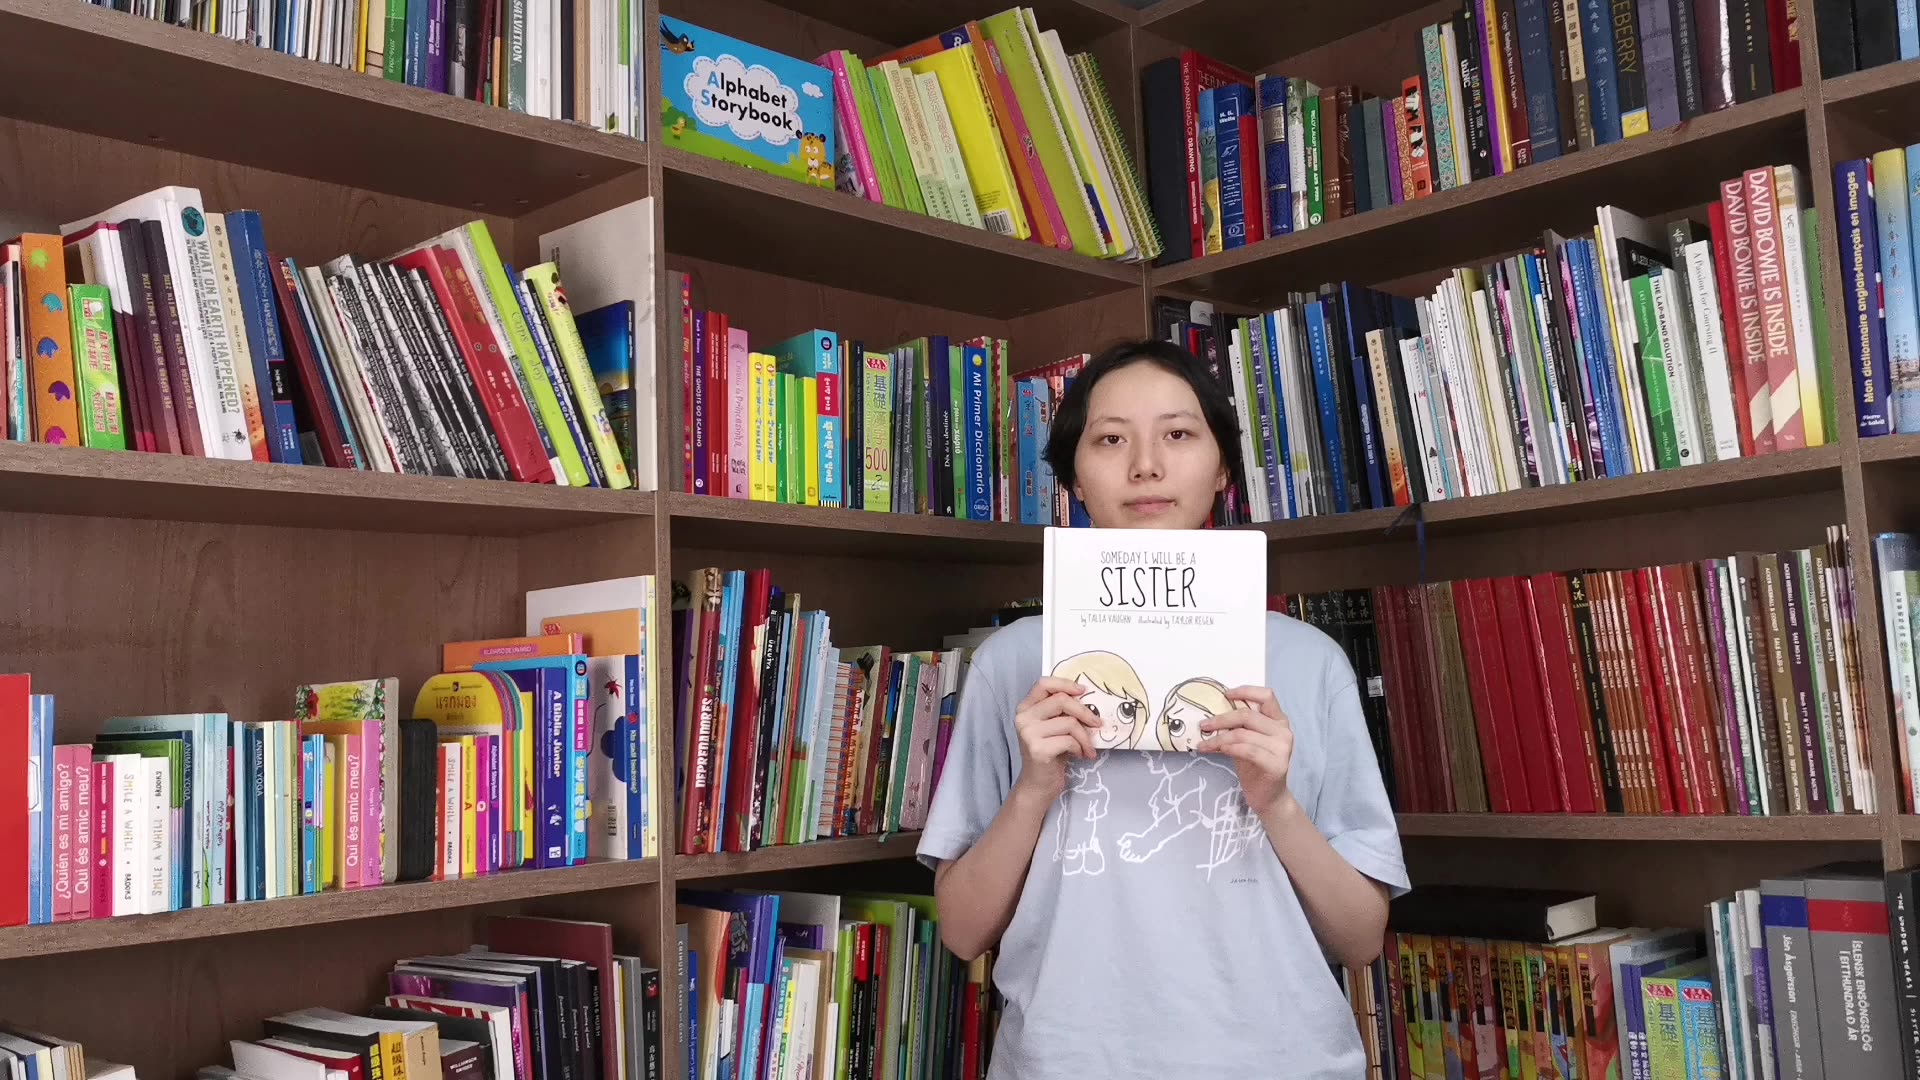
1070	415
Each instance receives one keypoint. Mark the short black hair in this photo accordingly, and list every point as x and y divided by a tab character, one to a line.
1216	407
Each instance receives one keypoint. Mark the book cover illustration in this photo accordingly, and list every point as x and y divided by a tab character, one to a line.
1157	624
726	99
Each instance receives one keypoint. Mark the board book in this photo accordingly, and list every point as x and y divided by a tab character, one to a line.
727	99
1157	624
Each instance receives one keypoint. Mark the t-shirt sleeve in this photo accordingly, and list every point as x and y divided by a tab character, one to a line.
977	774
1353	812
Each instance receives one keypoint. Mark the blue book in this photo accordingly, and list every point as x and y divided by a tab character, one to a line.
1598	356
1908	21
1329	412
816	355
323	359
730	100
978	431
1858	235
1209	165
256	311
40	809
1356	307
1603	82
1898	290
1276	383
1230	103
1536	66
1273	145
1266	401
638	789
1045	482
733	588
606	335
313	764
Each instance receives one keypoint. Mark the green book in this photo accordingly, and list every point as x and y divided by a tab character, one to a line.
1653	371
894	137
96	368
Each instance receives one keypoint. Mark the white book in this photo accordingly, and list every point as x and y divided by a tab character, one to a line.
1157	624
1790	199
1709	331
1413	370
1678	365
608	259
1237	361
452	790
1617	230
157	845
607	799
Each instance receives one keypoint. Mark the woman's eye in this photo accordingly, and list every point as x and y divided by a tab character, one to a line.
1109	440
1179	433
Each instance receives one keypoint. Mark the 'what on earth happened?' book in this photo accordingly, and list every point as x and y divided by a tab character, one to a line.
1157	624
728	99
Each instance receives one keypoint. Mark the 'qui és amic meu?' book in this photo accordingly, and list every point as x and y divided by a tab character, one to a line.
1156	624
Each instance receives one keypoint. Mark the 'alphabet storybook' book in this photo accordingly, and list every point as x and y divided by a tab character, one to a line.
727	99
1158	624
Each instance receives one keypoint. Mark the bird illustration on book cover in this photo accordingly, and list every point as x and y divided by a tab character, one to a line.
1155	626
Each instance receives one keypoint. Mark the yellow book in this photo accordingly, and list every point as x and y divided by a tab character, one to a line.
1077	122
981	147
760	428
1019	53
810	424
330	822
1487	19
1622	352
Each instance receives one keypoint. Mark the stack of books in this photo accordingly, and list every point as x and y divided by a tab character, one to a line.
527	752
1643	346
1233	158
991	124
1727	686
782	736
29	1053
1793	976
159	326
813	985
935	425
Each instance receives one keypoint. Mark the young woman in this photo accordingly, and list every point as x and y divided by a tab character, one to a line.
1163	913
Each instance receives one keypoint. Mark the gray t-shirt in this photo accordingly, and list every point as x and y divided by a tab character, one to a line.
1157	935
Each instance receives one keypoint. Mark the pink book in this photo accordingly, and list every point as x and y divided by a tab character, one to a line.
850	132
62	822
103	840
352	865
739	387
83	832
482	806
1019	140
374	804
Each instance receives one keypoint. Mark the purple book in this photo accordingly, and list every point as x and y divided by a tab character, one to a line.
1390	114
1739	754
477	988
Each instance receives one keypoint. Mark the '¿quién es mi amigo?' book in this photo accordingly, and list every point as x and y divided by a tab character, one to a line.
1157	625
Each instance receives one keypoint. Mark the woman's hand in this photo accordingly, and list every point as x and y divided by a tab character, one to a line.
1259	739
1053	726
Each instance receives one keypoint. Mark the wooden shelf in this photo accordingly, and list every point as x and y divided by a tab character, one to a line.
901	23
181	89
731	214
1890	449
766	860
706	521
326	907
1713	829
1505	213
129	484
1909	827
1882	88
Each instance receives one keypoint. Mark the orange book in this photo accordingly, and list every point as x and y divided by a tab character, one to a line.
463	655
50	339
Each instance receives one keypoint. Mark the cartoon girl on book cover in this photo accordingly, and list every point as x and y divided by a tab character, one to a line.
1115	694
1187	706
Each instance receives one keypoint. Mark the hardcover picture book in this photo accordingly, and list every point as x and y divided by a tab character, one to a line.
737	102
1157	624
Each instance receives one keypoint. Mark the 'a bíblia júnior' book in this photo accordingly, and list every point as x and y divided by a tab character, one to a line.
1157	624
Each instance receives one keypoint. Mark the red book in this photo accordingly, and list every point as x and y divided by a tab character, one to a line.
1730	325
1745	294
1532	712
1499	750
749	704
103	840
1400	709
1691	651
1563	682
15	694
1434	713
565	939
1669	769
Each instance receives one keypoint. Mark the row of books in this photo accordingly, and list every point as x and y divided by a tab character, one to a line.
814	986
1233	158
781	736
1641	347
26	1053
1874	216
991	124
582	62
1727	686
159	326
525	752
1795	976
935	425
1865	34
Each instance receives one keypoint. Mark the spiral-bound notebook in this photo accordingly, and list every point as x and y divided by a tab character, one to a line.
1157	625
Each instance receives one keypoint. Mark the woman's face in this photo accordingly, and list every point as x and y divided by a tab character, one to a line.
1180	724
1147	459
1119	716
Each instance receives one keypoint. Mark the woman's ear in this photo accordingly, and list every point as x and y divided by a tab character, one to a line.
1220	481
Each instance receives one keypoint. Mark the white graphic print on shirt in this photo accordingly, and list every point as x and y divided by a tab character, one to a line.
1188	792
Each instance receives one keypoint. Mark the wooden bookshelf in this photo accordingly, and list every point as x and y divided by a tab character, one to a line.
846	851
326	907
148	583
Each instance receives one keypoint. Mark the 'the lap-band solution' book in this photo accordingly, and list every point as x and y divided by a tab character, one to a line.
1157	624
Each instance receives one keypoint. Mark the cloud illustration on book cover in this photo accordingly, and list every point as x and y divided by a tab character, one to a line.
1118	696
